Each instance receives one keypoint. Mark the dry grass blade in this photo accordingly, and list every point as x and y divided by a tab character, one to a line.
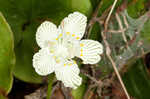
108	50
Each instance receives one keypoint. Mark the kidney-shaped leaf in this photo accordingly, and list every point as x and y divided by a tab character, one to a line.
7	57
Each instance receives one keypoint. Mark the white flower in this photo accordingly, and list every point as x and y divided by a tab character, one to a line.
60	45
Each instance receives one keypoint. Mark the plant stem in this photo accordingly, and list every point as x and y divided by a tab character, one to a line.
108	17
119	77
108	51
50	83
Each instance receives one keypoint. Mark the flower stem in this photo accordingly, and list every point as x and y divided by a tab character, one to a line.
50	83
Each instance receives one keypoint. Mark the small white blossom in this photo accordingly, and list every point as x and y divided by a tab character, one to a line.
60	45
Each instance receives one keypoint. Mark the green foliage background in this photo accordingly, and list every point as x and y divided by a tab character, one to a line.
17	40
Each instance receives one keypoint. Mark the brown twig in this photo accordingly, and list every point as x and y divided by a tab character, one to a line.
108	53
103	16
98	82
125	21
121	27
86	95
65	91
108	17
117	31
92	20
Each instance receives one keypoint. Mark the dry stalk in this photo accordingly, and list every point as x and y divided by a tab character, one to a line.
98	82
108	17
121	27
108	50
108	53
125	21
92	20
117	31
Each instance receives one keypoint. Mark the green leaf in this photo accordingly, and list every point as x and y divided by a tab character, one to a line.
137	79
80	91
145	32
24	53
95	3
50	85
83	6
137	8
7	55
24	17
2	97
95	33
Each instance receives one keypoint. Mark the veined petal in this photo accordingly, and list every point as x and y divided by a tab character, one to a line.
90	51
74	26
46	32
43	62
68	73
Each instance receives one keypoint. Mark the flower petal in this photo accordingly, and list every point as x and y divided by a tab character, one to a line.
90	51
47	31
68	73
74	25
43	62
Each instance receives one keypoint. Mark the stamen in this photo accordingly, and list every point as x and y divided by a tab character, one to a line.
60	35
81	54
51	51
67	33
81	44
54	57
73	35
77	38
64	64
